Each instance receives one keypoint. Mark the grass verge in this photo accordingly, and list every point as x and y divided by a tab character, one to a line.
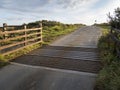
109	76
4	60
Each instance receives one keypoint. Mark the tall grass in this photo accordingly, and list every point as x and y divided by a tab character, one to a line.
3	61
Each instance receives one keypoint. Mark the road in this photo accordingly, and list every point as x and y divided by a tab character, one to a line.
69	63
84	37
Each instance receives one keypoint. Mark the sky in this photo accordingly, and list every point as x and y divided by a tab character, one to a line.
14	12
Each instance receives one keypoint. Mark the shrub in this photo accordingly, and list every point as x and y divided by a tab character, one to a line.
109	76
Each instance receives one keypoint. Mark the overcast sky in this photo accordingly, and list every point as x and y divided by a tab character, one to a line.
66	11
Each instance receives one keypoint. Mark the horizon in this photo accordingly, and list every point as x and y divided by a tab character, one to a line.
64	11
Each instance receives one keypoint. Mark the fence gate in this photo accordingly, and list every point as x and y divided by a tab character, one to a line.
14	38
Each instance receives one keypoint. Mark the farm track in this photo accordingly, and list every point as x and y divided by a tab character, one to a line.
69	63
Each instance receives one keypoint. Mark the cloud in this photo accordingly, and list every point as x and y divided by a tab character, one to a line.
70	3
39	5
67	11
23	6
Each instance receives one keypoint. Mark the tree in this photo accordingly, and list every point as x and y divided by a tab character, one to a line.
115	19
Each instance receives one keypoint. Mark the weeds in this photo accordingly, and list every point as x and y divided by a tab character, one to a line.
3	61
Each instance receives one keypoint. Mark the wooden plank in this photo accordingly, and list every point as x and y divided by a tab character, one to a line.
22	30
18	37
25	28
41	31
11	45
20	48
14	25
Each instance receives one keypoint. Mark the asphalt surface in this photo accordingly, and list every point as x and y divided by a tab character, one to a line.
20	77
69	63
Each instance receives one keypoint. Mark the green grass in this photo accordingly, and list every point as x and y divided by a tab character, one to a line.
3	61
109	76
22	52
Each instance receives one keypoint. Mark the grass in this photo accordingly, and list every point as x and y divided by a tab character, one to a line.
109	76
22	52
3	61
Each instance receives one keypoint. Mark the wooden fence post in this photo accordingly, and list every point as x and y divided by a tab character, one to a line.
25	27
40	24
4	30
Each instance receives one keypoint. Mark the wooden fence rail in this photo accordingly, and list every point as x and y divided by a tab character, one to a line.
20	38
115	36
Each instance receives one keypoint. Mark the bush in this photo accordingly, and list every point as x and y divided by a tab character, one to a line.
115	19
109	76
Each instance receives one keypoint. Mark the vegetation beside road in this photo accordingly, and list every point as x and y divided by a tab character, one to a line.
3	62
109	76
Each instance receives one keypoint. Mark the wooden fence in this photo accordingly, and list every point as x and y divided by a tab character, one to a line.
115	35
13	40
